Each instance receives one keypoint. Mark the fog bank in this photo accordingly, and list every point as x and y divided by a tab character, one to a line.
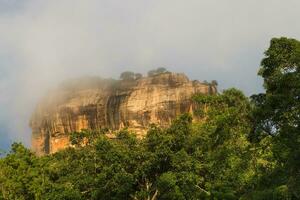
45	42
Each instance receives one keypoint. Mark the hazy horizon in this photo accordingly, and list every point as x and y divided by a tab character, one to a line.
45	42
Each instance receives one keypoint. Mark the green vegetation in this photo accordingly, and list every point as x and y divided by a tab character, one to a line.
239	148
277	112
129	76
157	71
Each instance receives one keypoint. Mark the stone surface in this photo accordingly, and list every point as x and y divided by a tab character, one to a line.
94	103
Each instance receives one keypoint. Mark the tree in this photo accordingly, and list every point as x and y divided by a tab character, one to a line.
151	73
16	173
205	82
138	76
214	83
278	109
157	71
222	135
209	159
161	70
128	75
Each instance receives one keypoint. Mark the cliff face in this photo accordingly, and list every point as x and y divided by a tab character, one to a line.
95	103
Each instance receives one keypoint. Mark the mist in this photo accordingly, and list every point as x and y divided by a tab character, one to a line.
45	42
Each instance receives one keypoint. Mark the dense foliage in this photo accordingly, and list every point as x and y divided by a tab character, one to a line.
235	148
277	112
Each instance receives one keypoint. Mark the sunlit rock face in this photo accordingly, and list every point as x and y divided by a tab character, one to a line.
94	103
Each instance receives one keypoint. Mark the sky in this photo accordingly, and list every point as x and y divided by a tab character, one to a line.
45	42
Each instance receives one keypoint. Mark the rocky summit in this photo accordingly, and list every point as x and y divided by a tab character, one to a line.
94	103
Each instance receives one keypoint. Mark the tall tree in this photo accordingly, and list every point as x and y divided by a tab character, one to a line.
128	75
278	109
225	149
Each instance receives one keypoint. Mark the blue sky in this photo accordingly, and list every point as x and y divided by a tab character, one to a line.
45	42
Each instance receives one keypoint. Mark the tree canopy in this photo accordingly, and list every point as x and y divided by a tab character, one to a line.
157	71
127	75
277	111
212	159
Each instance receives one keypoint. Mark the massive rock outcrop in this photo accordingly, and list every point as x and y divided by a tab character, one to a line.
94	103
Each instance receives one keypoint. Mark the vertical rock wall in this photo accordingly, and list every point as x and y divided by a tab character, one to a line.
104	103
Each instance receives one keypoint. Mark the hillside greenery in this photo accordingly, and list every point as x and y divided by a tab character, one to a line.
239	148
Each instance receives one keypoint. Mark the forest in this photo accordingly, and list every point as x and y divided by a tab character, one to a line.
242	148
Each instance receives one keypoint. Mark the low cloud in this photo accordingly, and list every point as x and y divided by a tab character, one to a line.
45	42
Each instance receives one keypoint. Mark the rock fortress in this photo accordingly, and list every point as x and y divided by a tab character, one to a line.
93	103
